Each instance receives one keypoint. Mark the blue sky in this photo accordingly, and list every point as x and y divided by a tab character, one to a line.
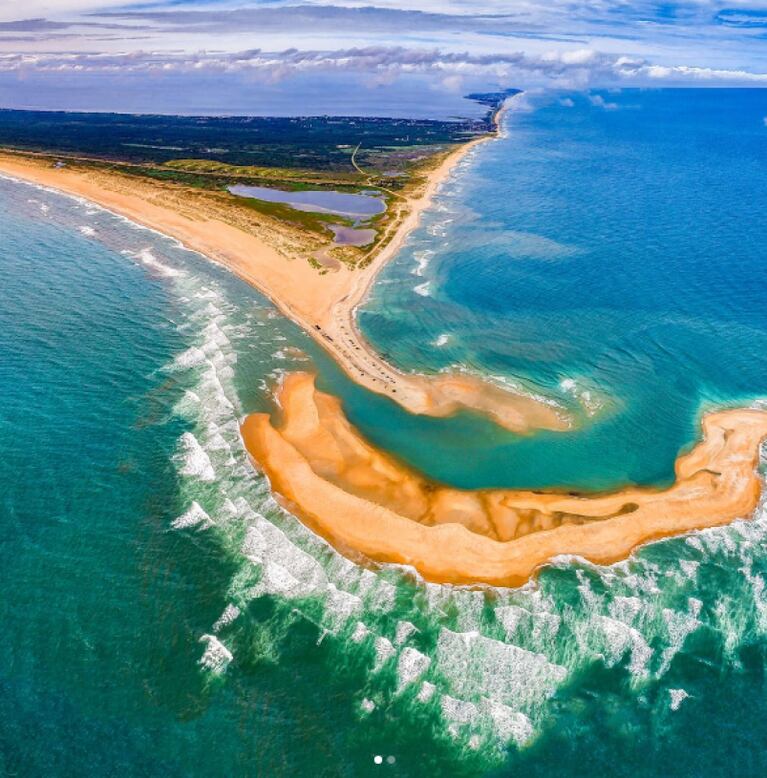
390	57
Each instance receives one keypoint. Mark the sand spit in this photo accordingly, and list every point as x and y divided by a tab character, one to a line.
276	263
367	503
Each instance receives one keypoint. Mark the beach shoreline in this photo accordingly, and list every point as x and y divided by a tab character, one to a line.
323	304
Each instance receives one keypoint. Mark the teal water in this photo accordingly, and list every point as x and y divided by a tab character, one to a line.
612	259
163	616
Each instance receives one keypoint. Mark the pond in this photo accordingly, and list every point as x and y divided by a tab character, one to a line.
356	206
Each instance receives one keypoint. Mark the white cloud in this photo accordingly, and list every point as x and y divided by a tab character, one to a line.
579	56
600	102
386	62
688	74
453	83
473	44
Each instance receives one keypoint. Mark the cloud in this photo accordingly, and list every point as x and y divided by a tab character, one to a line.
32	25
600	102
570	68
646	19
742	18
696	75
283	18
450	45
48	29
9	10
699	30
384	62
453	83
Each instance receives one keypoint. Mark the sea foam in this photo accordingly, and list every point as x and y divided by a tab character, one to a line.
217	656
196	462
194	517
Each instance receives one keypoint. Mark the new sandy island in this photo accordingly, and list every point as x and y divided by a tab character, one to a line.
363	501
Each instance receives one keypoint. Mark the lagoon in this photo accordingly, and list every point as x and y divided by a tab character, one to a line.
355	206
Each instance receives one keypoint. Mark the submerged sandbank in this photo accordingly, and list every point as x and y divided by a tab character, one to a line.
367	503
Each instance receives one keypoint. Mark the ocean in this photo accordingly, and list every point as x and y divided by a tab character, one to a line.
163	616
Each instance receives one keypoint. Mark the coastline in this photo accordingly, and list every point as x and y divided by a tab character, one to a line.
324	305
367	504
467	537
435	395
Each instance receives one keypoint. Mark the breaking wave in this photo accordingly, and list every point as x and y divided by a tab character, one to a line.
485	663
488	669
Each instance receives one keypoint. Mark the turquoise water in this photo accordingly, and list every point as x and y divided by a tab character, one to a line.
163	616
612	259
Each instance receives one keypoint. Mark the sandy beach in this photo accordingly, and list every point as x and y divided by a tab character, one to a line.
366	503
273	260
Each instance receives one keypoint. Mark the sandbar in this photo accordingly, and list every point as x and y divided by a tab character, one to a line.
367	504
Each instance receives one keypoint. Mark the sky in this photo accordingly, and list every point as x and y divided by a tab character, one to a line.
389	57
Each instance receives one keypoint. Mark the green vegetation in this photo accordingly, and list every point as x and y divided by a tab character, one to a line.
308	220
315	143
297	178
209	154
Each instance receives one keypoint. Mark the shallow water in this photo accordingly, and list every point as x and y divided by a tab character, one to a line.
349	236
162	616
342	203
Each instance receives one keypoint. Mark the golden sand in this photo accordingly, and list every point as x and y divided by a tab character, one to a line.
324	304
365	502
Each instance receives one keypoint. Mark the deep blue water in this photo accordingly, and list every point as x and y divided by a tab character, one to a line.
618	253
161	616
